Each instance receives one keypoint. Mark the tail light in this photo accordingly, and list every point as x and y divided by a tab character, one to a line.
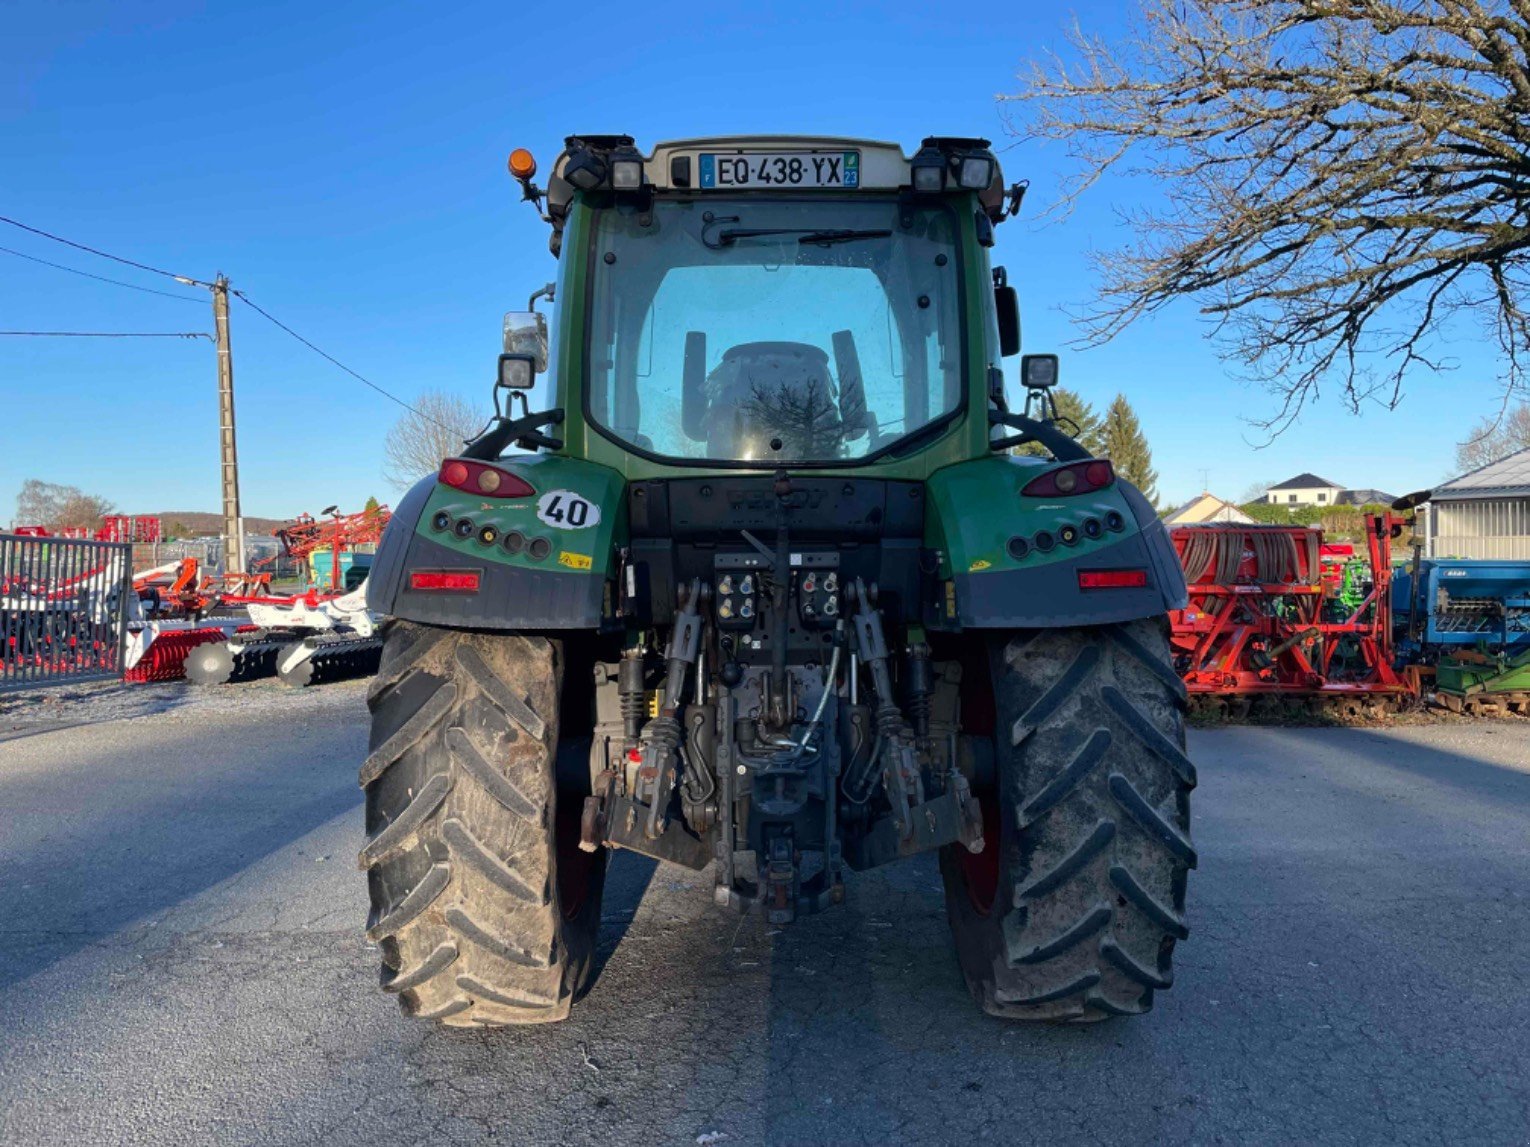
1112	579
1074	478
482	480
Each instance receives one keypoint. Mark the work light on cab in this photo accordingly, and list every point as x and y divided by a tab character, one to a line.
517	371
975	172
626	169
927	170
585	169
481	479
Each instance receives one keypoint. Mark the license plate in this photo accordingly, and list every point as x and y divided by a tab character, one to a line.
781	169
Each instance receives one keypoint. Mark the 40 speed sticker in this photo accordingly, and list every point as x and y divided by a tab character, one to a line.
566	510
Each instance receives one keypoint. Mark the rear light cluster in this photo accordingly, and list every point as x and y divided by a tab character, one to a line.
514	542
482	480
1067	534
1074	478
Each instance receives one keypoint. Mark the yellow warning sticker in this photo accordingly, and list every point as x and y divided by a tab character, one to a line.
575	561
980	564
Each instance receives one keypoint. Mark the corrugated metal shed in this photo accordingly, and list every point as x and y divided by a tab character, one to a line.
1485	513
1507	478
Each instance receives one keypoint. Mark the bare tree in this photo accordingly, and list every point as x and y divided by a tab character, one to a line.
1492	439
1256	492
805	418
1344	179
418	441
58	507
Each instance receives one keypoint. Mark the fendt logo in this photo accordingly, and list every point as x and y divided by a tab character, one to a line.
758	500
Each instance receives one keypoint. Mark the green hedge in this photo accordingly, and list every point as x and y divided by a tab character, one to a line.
1335	521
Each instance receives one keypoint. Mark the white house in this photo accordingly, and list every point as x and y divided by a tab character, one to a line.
1304	490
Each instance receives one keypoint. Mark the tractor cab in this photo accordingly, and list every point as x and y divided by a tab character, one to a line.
747	303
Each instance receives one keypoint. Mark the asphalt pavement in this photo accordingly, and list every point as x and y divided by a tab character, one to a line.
182	961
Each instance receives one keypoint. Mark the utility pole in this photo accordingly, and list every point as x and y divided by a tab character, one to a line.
233	531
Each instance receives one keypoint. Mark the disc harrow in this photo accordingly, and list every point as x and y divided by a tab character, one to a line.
328	657
244	657
167	655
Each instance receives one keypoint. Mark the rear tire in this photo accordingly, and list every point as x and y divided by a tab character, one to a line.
1072	911
484	907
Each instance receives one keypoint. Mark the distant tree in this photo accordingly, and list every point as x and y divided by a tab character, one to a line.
1495	438
1340	181
1127	448
177	530
1075	416
371	506
57	507
1257	491
438	427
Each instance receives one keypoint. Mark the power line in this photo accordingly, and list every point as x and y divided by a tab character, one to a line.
105	254
332	359
108	334
100	278
192	283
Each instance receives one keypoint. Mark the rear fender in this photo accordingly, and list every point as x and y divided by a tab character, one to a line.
975	508
577	511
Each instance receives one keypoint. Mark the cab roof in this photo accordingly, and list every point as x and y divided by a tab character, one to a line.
675	166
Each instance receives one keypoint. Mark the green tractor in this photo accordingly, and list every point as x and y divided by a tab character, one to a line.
769	592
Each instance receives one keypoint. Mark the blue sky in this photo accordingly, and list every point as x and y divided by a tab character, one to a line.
343	163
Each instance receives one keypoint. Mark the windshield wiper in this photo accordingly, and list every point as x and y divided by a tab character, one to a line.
842	235
821	236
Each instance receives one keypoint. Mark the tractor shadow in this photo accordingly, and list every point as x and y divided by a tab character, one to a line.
628	876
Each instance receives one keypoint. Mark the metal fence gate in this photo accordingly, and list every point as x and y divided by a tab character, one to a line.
62	610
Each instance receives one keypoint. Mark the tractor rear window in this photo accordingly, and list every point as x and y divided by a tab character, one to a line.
753	330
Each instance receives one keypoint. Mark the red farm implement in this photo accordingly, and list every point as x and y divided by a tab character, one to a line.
1267	633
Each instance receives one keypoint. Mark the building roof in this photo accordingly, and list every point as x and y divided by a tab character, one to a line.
1206	508
1507	478
1305	482
1364	498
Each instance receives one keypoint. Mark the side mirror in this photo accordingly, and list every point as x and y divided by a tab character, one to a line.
517	371
526	334
1038	371
1006	302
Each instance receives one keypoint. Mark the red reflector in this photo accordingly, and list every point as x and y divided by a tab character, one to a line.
1112	579
450	581
454	473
